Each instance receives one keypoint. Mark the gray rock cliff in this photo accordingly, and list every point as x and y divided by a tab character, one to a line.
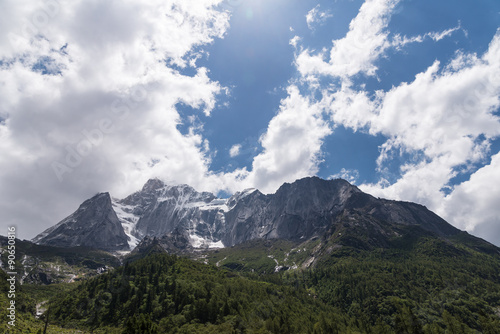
301	210
95	224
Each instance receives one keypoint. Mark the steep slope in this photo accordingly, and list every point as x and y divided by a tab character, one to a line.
305	209
160	209
296	211
93	225
310	207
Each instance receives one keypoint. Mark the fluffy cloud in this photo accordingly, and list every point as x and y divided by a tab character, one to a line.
442	122
88	91
473	205
367	40
357	51
447	117
292	143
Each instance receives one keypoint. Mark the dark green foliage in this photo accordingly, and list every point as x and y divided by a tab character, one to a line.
415	284
164	293
426	286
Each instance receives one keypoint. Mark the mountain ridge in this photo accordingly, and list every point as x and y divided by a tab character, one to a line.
307	208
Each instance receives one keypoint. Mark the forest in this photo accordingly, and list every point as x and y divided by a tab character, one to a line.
431	287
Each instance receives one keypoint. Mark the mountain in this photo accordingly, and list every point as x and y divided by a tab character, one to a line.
317	256
95	225
172	243
159	209
310	207
307	208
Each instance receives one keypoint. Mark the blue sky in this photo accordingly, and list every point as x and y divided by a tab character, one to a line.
400	97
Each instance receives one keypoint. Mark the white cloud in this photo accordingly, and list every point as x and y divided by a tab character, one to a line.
401	41
295	41
315	16
292	143
357	51
443	121
447	116
235	150
473	205
437	36
366	41
475	202
98	78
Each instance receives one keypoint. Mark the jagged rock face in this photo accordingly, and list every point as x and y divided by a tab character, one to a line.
94	225
173	207
298	211
161	209
401	213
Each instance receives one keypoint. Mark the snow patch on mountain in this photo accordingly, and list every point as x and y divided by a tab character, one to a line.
216	204
199	242
128	220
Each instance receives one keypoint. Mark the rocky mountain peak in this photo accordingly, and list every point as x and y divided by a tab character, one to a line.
94	224
152	185
238	196
315	185
301	210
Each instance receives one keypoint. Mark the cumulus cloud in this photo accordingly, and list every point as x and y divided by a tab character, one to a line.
292	143
357	51
88	93
447	116
442	122
473	205
367	40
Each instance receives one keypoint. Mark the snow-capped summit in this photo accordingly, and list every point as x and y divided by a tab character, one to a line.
303	209
159	208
